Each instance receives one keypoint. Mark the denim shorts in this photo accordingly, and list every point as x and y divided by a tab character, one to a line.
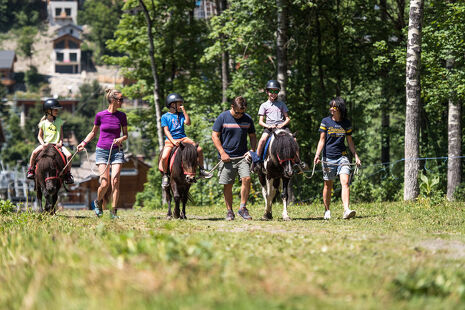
335	167
101	156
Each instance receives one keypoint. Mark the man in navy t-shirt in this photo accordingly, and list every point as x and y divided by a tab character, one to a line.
229	135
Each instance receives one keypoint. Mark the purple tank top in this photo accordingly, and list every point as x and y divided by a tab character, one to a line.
110	127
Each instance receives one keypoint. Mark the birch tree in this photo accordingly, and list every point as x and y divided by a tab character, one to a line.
281	45
413	100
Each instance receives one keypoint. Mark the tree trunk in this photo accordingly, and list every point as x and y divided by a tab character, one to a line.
454	143
222	5
413	100
385	117
156	97
281	45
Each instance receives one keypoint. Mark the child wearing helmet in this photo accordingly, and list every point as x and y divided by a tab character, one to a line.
273	114
50	131
172	123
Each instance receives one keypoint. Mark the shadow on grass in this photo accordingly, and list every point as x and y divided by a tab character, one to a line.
73	216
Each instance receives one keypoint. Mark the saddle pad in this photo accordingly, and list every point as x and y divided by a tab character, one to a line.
266	148
61	154
172	158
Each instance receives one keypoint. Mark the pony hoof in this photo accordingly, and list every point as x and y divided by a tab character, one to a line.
183	217
169	217
286	218
267	216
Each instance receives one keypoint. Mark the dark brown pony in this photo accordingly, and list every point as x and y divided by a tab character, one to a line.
183	165
48	180
278	169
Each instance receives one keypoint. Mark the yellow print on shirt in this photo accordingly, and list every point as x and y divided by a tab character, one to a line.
337	131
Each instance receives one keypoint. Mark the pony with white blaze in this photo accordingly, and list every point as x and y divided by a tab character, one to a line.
278	170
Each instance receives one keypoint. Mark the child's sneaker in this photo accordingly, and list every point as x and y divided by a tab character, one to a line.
348	214
165	181
230	216
68	178
30	173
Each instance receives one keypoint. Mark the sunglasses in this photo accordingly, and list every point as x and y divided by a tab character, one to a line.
119	99
334	108
273	91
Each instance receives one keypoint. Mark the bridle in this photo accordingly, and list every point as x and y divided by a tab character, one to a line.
281	161
54	177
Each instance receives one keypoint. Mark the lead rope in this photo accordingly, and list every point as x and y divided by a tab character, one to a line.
356	170
108	161
219	162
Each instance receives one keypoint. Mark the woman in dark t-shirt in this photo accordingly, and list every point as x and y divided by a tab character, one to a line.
334	130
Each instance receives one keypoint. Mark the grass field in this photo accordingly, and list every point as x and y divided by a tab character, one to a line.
397	256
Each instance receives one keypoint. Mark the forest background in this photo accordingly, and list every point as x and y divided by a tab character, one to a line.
355	49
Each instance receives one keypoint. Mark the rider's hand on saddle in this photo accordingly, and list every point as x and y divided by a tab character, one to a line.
225	157
177	143
59	145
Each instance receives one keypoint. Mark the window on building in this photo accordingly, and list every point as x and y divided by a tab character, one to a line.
72	44
68	12
57	11
71	31
73	56
60	44
60	56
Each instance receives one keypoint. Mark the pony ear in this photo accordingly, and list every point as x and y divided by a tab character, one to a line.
294	134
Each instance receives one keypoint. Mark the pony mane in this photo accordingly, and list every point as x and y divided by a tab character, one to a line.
284	145
187	156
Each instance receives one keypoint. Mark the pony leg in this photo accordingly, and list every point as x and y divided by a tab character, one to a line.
268	192
177	200
184	202
54	204
39	198
168	200
285	197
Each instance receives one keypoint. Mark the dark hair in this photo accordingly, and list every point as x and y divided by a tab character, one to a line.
239	102
340	104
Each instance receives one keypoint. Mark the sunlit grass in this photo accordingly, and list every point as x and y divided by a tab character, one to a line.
384	258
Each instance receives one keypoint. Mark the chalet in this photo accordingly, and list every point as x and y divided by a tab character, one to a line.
66	56
133	177
70	29
62	12
7	62
24	105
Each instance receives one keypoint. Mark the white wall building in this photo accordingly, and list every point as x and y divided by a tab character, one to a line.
66	56
62	12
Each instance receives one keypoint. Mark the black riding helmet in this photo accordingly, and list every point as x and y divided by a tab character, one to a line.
51	103
273	84
173	97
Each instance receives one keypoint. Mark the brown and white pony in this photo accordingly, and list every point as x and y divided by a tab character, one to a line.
183	166
278	170
48	178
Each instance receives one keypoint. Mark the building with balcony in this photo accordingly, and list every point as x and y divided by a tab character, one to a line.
62	12
66	56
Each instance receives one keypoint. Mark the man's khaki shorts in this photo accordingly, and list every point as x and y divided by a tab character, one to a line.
227	171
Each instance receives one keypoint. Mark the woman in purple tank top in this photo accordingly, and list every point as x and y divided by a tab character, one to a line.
111	123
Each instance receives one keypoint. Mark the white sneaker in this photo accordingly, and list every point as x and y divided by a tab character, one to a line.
327	215
348	214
